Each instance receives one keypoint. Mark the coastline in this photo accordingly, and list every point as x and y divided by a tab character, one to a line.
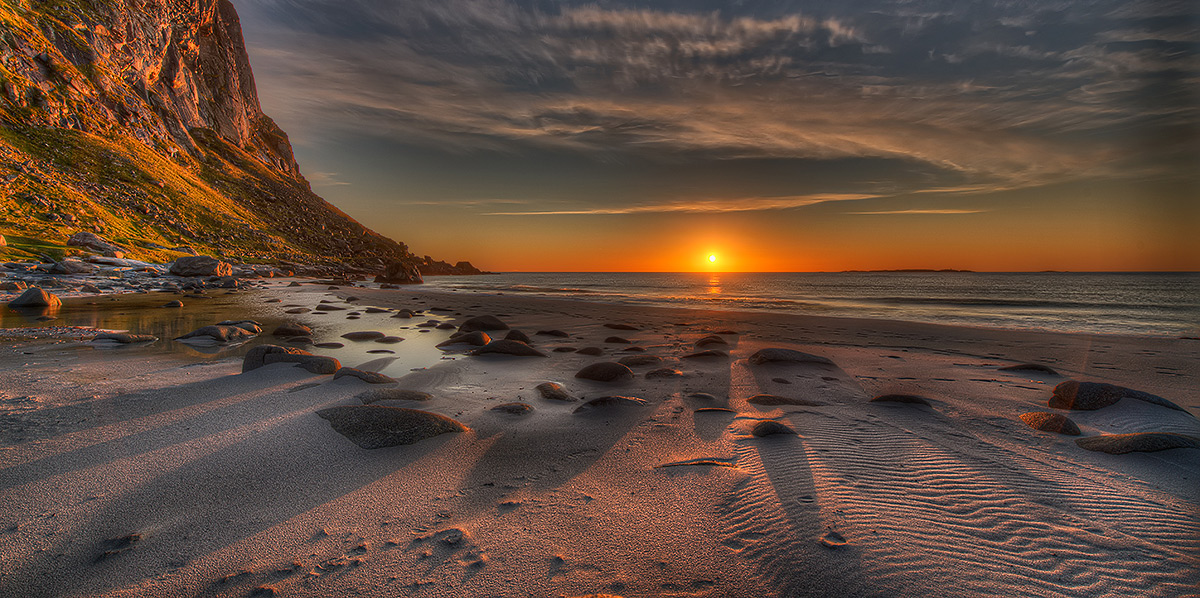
232	483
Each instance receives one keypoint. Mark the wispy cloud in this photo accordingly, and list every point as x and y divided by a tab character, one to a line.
945	211
702	206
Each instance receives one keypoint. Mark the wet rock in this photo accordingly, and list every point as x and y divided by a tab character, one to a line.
329	345
564	349
1029	367
374	426
173	304
514	408
247	325
1050	422
639	360
771	428
477	339
777	355
404	314
1143	442
662	373
377	310
292	329
364	335
609	402
13	286
390	340
553	391
484	323
392	394
508	347
36	297
123	338
217	334
901	398
200	265
365	376
605	371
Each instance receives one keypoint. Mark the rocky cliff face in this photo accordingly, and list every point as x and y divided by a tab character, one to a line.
140	119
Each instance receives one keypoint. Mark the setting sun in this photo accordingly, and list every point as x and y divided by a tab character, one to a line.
712	258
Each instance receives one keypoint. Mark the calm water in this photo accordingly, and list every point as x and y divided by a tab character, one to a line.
1163	304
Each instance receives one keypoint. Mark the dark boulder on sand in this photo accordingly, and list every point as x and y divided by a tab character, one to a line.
255	357
218	333
292	330
1050	422
328	307
771	428
36	297
400	272
485	323
1144	442
390	340
364	375
375	426
593	351
607	402
514	408
517	335
616	340
173	304
900	398
507	347
123	338
1089	396
263	355
777	355
711	340
1029	367
605	371
404	314
639	360
553	391
391	394
477	339
364	335
200	265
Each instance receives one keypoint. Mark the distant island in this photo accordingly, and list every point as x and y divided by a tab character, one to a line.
906	270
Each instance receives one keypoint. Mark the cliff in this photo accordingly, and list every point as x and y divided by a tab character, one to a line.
139	120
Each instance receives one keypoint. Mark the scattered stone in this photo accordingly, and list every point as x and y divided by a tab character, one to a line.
329	345
69	266
404	314
711	340
292	329
703	354
13	286
217	333
390	340
1143	442
477	339
508	347
392	394
564	349
514	408
36	297
364	335
1030	367
90	289
593	351
328	307
256	356
1050	422
616	340
123	338
558	333
485	323
377	310
661	373
900	398
175	303
1089	396
200	265
247	325
612	401
297	310
771	428
633	349
553	391
375	426
605	371
517	335
769	399
620	327
365	376
786	356
639	360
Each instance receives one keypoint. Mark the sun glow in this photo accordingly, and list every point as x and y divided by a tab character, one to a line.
712	258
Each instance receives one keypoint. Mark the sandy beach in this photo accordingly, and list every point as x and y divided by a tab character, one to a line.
137	472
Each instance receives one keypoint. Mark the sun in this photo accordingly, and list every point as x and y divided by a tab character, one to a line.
712	258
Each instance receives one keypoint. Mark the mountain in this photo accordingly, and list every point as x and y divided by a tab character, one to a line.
139	120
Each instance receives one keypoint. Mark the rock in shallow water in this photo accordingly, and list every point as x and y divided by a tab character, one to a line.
123	338
219	333
292	329
36	297
364	335
374	426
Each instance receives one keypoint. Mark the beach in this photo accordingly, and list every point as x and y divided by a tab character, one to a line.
132	471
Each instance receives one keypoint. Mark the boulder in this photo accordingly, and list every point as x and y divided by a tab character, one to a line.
711	340
256	356
217	333
292	329
391	394
247	325
69	266
96	243
553	391
1029	367
200	265
613	326
1089	396
1050	422
771	428
704	354
365	376
175	303
612	401
616	340
593	351
13	286
375	426
558	333
485	323
477	339
1144	442
508	347
364	335
605	371
517	335
776	355
400	272
35	297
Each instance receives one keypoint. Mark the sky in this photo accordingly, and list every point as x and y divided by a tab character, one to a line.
778	136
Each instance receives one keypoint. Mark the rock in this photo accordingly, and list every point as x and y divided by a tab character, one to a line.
174	304
200	265
217	333
365	376
69	266
314	364
558	333
293	284
771	428
247	325
633	349
390	340
292	329
605	371
328	307
552	391
1029	367
613	401
768	399
13	286
593	351
404	314
36	297
704	354
1050	422
508	347
1089	396
900	398
517	335
256	356
620	326
777	355
96	243
391	394
329	345
1143	442
616	340
364	335
663	373
374	426
123	338
485	323
476	338
711	340
514	408
639	360
400	272
3	241
564	349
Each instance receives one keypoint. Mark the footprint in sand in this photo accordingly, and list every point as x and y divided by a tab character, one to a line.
833	539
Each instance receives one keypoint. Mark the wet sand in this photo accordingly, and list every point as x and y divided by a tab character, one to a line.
151	471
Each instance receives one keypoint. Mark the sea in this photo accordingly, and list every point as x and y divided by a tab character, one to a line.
1143	304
